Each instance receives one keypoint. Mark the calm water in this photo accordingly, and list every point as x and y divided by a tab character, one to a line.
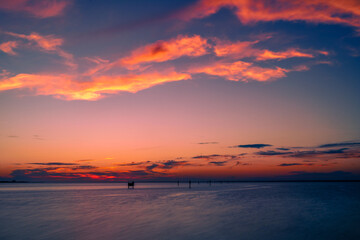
165	211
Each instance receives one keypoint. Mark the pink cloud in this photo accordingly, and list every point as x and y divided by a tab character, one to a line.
246	49
36	8
8	47
48	43
126	74
345	12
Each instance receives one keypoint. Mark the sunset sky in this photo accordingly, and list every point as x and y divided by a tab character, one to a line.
180	89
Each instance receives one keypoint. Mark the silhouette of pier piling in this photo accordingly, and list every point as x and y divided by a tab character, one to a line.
131	185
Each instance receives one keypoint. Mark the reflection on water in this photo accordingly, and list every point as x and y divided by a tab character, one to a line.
166	211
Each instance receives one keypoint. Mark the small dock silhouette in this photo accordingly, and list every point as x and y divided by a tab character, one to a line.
131	185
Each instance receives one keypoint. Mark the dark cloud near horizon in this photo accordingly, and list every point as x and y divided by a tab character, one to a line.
343	144
54	163
258	145
314	153
272	153
84	167
283	149
218	163
238	163
151	167
169	164
224	156
289	164
13	136
337	153
48	174
206	156
133	164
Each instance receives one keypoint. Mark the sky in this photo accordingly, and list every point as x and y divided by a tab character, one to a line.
182	89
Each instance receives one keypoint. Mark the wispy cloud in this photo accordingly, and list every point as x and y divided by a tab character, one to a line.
241	71
246	49
166	165
250	12
47	43
83	167
36	8
290	164
141	70
133	164
257	145
206	156
38	137
206	143
341	144
85	160
54	163
12	136
218	163
317	153
272	153
70	87
8	47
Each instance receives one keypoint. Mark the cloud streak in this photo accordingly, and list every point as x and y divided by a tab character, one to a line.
249	12
49	44
241	71
54	163
206	143
258	145
342	144
36	8
246	49
71	87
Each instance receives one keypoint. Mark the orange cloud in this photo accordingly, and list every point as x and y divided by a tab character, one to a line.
72	87
97	81
8	47
251	11
36	8
246	49
241	71
48	43
240	49
161	51
290	53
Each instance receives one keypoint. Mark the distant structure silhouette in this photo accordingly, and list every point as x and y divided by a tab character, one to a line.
131	185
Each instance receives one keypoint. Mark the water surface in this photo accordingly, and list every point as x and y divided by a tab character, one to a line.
166	211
